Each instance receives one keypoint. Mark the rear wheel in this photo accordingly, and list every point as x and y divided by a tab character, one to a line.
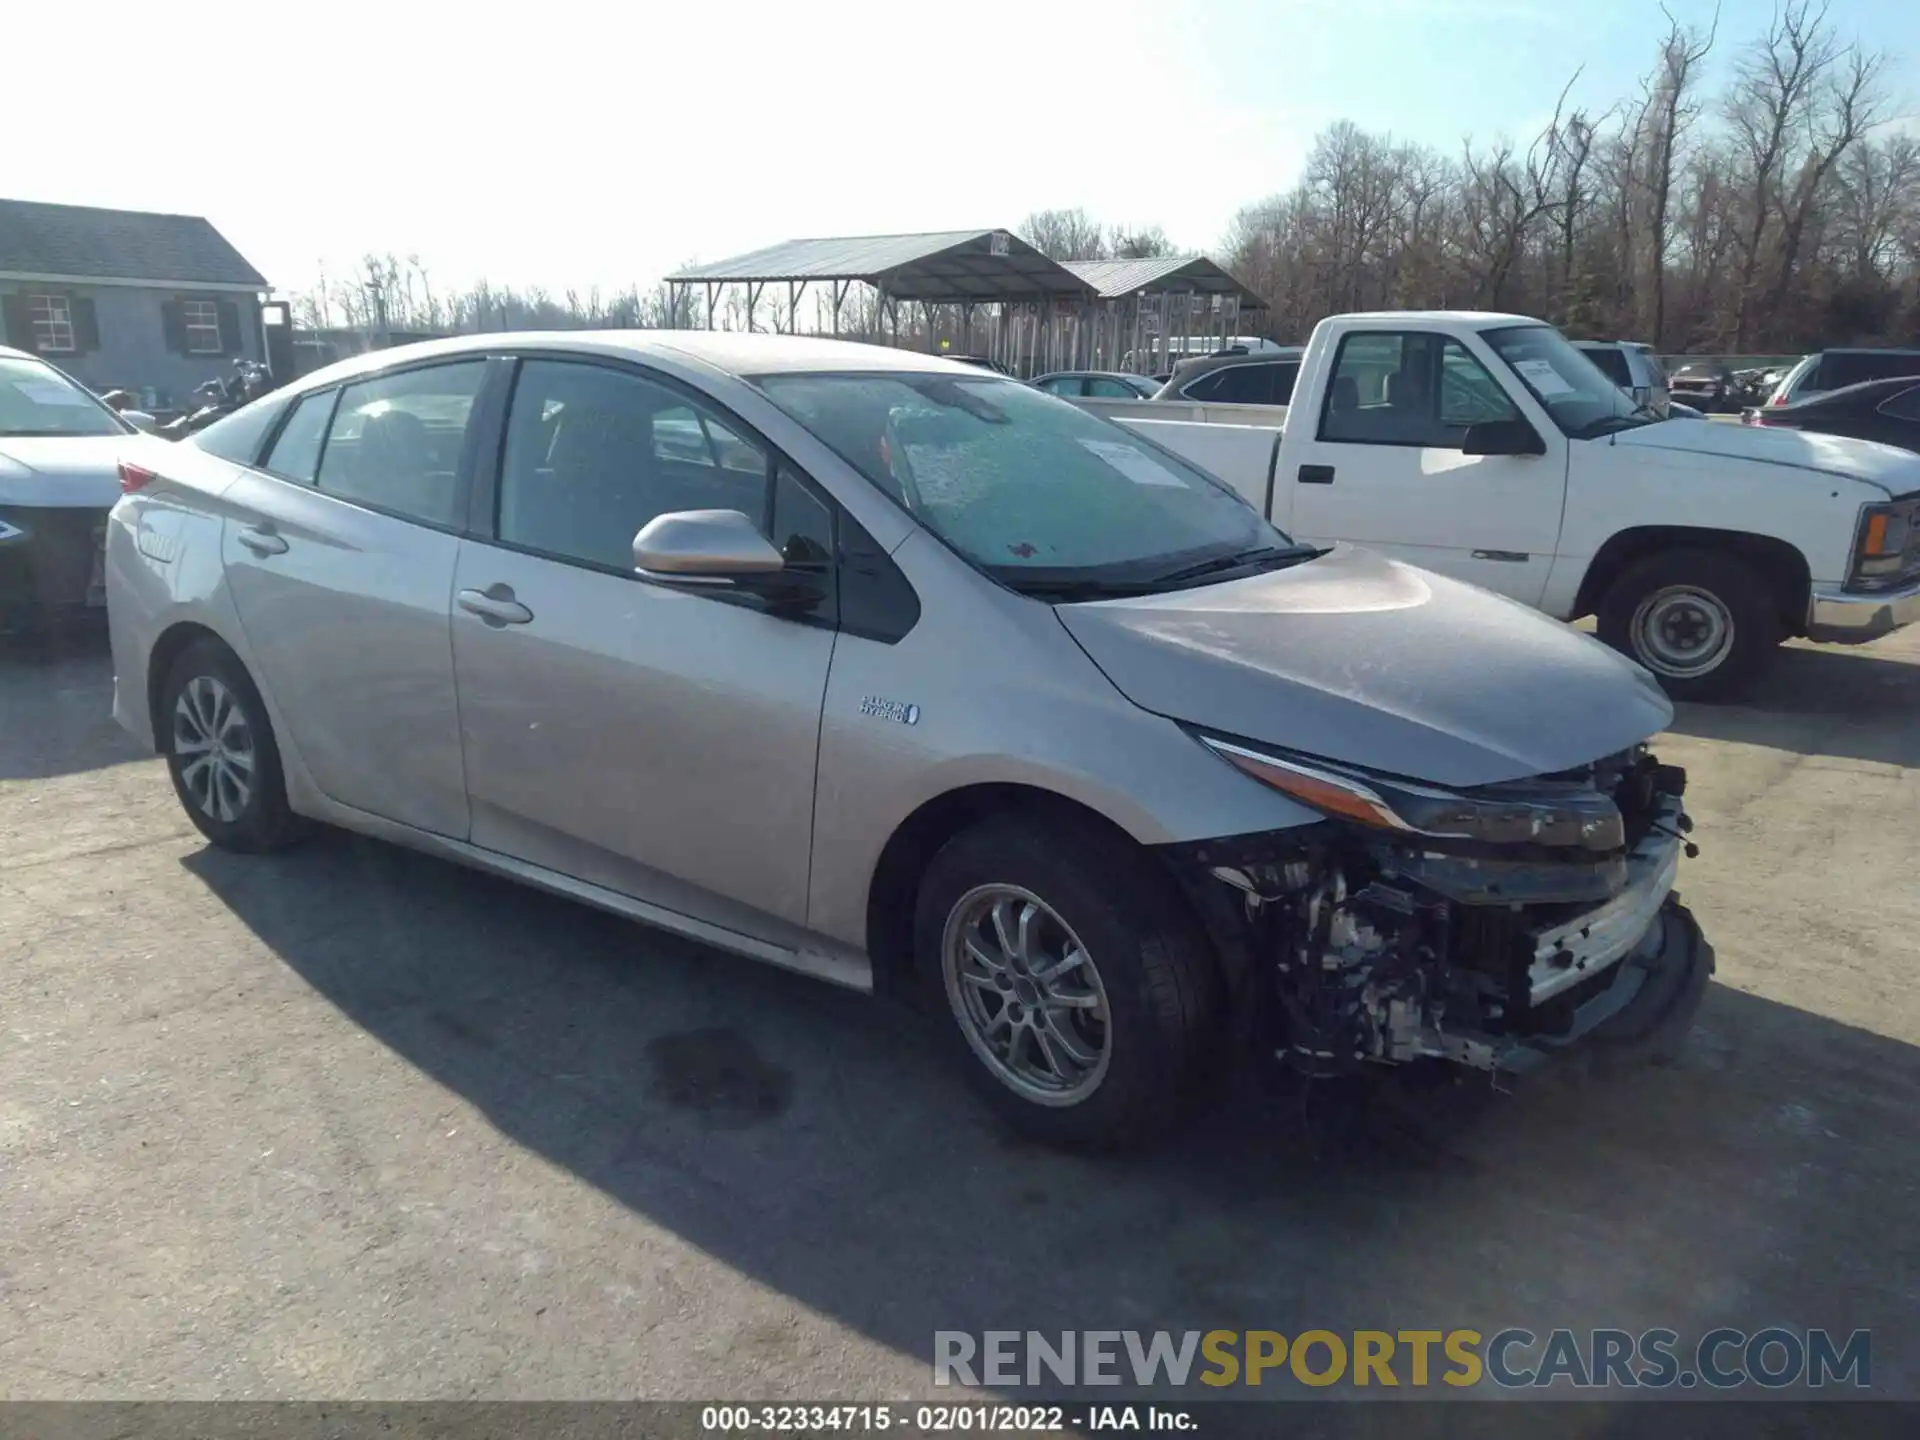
1702	621
1082	993
221	753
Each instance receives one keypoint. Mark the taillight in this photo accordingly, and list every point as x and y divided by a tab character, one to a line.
134	477
1778	400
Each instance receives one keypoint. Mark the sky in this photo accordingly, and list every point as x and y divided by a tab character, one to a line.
568	144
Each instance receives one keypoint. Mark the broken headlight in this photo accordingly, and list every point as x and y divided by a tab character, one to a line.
1558	814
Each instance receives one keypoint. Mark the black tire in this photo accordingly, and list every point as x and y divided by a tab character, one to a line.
1153	960
1724	580
264	822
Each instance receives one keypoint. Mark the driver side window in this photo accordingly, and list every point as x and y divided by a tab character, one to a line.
1410	388
594	453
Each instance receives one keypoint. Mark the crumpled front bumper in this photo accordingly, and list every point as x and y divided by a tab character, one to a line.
1643	1012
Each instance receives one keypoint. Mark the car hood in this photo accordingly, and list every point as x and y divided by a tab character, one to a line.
81	471
1357	658
1887	467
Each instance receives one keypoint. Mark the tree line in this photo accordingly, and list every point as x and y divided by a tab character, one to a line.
1777	213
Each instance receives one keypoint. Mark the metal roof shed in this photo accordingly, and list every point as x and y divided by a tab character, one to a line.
946	267
1154	299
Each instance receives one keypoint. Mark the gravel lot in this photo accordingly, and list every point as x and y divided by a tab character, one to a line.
351	1123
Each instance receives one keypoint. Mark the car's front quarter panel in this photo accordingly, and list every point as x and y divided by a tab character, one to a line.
989	689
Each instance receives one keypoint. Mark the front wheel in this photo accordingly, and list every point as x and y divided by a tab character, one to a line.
1081	991
1702	621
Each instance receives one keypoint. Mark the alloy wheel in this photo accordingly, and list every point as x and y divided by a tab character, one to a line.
213	748
1027	995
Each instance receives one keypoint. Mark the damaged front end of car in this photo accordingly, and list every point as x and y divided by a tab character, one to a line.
1488	927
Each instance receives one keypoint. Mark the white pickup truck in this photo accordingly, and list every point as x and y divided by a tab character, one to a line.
1486	447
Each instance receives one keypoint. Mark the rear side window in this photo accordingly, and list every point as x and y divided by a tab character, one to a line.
237	437
296	449
1613	365
395	441
1270	384
1840	368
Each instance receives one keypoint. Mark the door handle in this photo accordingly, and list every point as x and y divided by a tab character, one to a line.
1316	474
261	540
495	605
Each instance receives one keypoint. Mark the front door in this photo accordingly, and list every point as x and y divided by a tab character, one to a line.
339	556
652	739
1383	466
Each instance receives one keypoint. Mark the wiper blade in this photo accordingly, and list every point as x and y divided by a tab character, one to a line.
1274	553
1067	592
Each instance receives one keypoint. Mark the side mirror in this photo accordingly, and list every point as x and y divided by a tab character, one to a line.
704	547
1502	437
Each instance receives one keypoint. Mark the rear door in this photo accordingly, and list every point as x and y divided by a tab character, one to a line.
655	738
339	551
1382	465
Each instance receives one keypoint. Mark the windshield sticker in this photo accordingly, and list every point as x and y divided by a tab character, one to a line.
50	392
1136	465
1543	376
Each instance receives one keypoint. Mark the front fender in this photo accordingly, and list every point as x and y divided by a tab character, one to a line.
1615	488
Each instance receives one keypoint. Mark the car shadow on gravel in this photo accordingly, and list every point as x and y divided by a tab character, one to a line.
56	705
820	1144
1823	700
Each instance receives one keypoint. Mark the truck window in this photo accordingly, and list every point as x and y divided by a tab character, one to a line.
1410	388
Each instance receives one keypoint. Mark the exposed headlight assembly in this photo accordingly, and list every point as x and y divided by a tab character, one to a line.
1539	812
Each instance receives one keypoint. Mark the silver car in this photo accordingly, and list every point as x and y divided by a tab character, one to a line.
916	679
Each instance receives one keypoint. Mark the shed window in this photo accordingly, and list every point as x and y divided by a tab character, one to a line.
52	324
201	319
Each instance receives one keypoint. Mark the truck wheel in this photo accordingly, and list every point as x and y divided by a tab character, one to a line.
221	753
1702	621
1083	994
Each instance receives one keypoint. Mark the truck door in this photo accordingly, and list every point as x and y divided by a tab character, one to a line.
1378	462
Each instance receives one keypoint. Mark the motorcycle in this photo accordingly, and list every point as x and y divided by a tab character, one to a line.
216	398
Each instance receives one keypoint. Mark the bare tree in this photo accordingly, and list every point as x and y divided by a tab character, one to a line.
1670	110
1065	234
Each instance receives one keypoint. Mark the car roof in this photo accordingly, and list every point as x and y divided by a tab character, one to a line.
734	352
1861	392
1868	350
1438	317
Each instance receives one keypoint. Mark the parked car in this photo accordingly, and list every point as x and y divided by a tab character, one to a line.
1258	377
1705	385
1698	547
1097	385
61	450
1101	778
1634	368
1884	410
126	405
1837	369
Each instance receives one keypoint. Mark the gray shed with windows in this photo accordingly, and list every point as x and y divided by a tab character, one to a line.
124	299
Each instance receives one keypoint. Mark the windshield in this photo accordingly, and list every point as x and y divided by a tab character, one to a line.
1583	402
1028	488
36	399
